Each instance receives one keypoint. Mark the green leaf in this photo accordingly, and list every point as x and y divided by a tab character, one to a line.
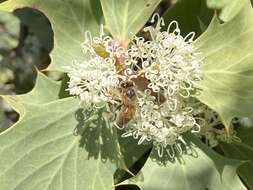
205	169
41	152
227	66
192	16
70	20
242	151
45	91
229	9
124	18
9	31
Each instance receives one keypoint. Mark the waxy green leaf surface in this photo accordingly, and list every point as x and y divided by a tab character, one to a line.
228	9
227	66
124	18
205	169
41	152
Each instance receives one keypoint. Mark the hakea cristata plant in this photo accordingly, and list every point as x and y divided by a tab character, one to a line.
147	89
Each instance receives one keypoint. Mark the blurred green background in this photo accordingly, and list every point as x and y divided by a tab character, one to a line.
26	39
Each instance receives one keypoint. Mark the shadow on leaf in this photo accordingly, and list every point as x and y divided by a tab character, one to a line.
98	137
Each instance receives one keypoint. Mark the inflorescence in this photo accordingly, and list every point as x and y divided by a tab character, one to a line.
148	88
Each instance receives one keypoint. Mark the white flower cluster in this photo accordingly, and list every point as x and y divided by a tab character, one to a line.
94	80
147	87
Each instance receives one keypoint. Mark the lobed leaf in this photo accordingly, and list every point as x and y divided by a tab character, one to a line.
227	66
204	169
41	152
229	9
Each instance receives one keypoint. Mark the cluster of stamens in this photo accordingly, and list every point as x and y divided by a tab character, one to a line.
147	88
